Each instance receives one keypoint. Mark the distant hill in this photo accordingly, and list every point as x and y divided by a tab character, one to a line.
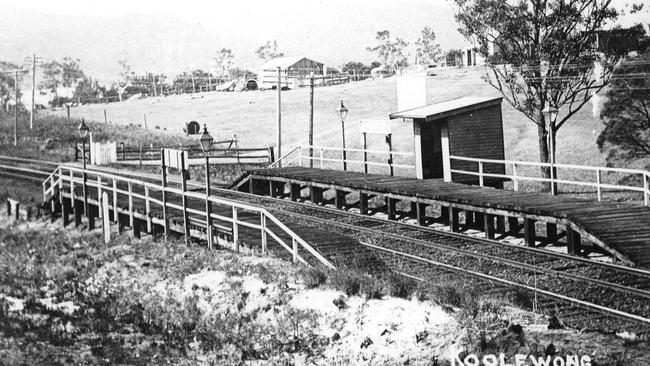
331	32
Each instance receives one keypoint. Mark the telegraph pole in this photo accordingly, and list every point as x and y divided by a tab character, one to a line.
311	120
31	111
33	59
16	108
279	137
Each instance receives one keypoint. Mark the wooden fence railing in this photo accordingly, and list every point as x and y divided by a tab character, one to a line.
353	159
125	192
595	178
144	153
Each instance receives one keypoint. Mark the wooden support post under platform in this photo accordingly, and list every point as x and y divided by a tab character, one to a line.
294	192
363	203
454	220
65	212
120	224
276	189
91	217
513	225
551	233
339	199
421	209
501	224
390	208
316	194
574	242
488	226
529	232
414	208
444	214
76	209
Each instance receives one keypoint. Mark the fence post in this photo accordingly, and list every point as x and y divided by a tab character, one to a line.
514	177
140	154
553	185
646	189
76	152
598	182
131	219
235	229
115	213
147	208
123	152
263	225
295	250
480	174
300	156
106	221
99	196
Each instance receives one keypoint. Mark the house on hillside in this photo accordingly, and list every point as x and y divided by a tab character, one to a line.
294	72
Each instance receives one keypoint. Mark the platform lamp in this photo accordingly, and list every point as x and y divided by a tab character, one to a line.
550	114
83	132
206	143
343	112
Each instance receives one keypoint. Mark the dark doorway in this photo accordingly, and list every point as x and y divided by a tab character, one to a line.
432	160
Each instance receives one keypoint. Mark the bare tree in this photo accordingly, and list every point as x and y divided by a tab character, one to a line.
224	61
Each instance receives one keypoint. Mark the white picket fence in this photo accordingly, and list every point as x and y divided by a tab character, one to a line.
102	153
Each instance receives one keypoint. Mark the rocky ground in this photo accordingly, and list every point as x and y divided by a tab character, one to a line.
68	299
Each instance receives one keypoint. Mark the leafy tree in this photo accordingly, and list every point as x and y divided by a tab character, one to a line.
357	68
189	82
541	52
87	90
626	112
239	73
390	52
224	62
7	84
269	51
428	51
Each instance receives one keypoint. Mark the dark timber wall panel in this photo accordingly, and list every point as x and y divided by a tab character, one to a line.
476	134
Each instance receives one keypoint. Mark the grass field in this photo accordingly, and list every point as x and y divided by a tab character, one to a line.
252	116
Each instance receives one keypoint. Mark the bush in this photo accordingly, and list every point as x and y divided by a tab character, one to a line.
400	286
354	283
312	277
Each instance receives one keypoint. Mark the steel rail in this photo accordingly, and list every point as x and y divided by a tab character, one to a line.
510	262
583	303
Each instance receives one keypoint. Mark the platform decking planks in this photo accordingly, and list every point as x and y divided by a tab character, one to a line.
623	228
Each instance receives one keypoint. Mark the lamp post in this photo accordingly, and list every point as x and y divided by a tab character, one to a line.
550	114
206	143
343	112
83	132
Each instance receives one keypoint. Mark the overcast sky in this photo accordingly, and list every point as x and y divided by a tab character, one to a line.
175	36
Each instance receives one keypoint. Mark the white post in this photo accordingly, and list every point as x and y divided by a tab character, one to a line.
130	205
295	250
99	196
263	227
514	177
106	225
147	208
279	124
235	229
480	174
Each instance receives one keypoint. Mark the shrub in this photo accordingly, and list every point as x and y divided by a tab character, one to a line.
354	283
400	286
312	277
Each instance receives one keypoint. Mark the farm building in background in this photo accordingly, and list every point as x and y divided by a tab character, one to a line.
294	71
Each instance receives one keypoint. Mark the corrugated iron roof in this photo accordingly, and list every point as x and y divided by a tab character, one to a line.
444	109
283	62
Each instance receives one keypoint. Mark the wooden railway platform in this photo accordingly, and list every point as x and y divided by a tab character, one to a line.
619	230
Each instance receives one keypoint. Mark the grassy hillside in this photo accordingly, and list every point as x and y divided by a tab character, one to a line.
252	116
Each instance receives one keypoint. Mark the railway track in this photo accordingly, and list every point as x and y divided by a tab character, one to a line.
585	294
28	169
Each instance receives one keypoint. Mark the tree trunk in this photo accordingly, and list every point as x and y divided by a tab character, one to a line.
544	156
